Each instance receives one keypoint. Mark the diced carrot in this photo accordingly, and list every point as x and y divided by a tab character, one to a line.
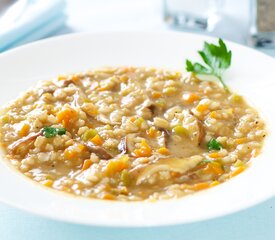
86	164
199	186
156	95
214	168
214	183
133	119
237	171
47	182
190	97
144	144
116	165
152	132
89	134
97	140
240	140
108	196
90	125
163	151
74	151
202	108
217	168
70	154
175	174
24	130
80	148
66	116
214	155
144	150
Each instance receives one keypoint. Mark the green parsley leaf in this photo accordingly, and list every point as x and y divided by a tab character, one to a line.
61	131
196	68
216	57
50	132
213	144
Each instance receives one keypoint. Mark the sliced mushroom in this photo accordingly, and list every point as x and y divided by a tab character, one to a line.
46	90
66	83
194	127
201	133
152	107
76	98
99	151
103	119
130	143
32	136
164	138
147	110
180	165
122	146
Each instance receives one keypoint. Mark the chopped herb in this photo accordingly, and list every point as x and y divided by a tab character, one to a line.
180	130
89	134
216	57
125	177
50	132
61	131
213	144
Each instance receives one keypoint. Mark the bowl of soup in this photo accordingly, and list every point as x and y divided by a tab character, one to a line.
110	129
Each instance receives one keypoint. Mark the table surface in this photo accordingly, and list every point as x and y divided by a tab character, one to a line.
145	15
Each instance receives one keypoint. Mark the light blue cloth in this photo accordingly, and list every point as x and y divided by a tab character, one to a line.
255	223
39	19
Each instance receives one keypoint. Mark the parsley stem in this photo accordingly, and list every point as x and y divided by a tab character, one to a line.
223	84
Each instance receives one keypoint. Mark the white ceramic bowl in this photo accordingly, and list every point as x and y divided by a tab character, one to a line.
251	74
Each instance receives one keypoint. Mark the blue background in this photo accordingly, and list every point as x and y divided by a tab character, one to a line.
254	223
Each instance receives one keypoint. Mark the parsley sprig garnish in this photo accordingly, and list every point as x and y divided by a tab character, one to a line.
50	132
216	57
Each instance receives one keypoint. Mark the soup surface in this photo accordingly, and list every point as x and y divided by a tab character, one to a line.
130	134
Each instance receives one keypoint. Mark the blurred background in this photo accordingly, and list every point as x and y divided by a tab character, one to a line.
249	22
